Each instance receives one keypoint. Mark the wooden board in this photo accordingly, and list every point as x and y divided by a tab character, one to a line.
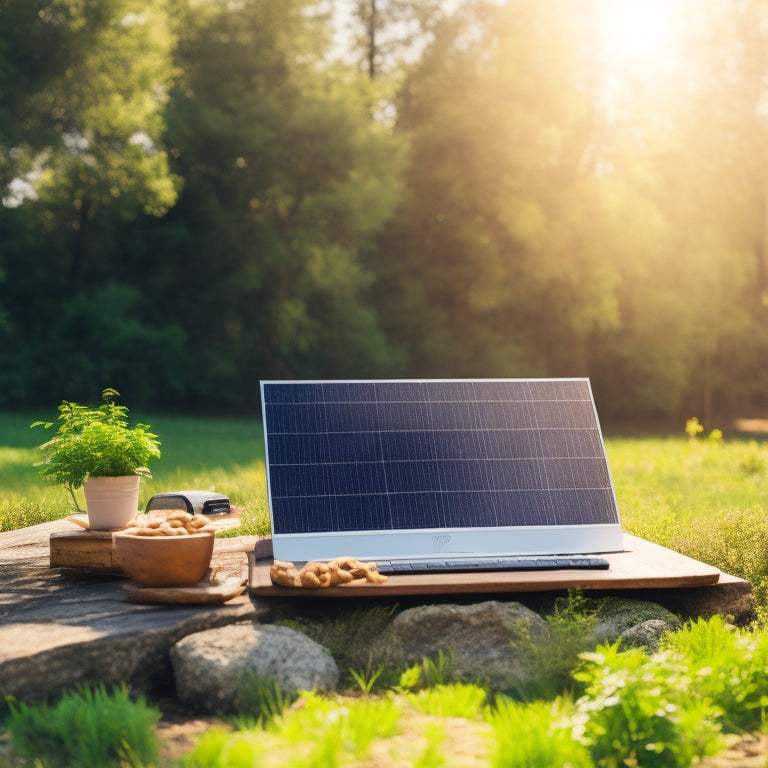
92	551
642	565
204	593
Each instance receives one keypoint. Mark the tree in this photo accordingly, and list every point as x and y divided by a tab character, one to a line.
385	33
287	180
87	84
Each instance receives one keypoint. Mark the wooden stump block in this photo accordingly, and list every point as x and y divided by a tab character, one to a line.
90	551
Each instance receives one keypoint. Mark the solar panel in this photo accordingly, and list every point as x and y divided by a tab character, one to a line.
416	468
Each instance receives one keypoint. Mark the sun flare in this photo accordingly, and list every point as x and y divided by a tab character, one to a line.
635	33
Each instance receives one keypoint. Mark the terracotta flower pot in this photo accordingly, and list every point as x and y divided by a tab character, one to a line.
164	561
112	502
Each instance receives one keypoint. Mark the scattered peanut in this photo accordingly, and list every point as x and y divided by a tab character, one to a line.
315	575
175	523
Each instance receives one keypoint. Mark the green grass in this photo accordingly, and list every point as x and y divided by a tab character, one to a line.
89	728
225	455
706	499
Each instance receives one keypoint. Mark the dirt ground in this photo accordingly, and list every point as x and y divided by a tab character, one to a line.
742	752
179	732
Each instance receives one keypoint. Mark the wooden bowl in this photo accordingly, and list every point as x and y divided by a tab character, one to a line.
164	561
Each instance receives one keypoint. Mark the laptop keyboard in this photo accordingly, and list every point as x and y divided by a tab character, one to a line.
536	563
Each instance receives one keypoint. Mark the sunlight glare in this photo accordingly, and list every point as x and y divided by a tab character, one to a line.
634	33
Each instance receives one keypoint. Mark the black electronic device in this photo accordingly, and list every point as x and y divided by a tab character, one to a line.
194	502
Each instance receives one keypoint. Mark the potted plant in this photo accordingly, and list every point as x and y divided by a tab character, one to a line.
95	448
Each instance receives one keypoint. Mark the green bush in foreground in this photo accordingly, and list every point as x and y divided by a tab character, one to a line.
88	728
728	666
536	735
644	711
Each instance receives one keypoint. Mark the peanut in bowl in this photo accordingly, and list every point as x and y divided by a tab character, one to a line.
156	553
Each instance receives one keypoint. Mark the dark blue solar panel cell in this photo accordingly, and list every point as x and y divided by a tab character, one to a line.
350	417
298	393
383	455
400	415
416	445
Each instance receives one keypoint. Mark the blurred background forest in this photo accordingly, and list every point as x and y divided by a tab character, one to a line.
197	194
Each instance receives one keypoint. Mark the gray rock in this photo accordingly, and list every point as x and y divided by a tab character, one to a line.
487	640
731	597
210	666
645	635
618	616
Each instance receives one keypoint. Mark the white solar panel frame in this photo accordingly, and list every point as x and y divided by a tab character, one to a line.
439	542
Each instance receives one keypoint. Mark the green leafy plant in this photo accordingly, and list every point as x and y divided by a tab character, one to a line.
367	678
261	697
95	442
535	735
642	710
728	665
552	658
319	732
430	673
89	728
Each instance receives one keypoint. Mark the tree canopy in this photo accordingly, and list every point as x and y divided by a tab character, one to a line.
197	194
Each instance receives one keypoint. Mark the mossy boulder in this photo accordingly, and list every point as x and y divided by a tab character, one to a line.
617	616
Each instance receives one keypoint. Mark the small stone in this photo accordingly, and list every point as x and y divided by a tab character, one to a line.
619	615
646	635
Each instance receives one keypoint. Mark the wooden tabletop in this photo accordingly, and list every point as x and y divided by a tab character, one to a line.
642	565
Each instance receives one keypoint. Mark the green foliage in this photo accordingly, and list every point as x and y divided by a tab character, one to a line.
15	514
430	673
96	442
214	187
552	658
261	698
432	756
643	710
287	182
94	111
535	735
360	641
367	678
728	666
216	454
455	700
320	732
704	499
89	728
